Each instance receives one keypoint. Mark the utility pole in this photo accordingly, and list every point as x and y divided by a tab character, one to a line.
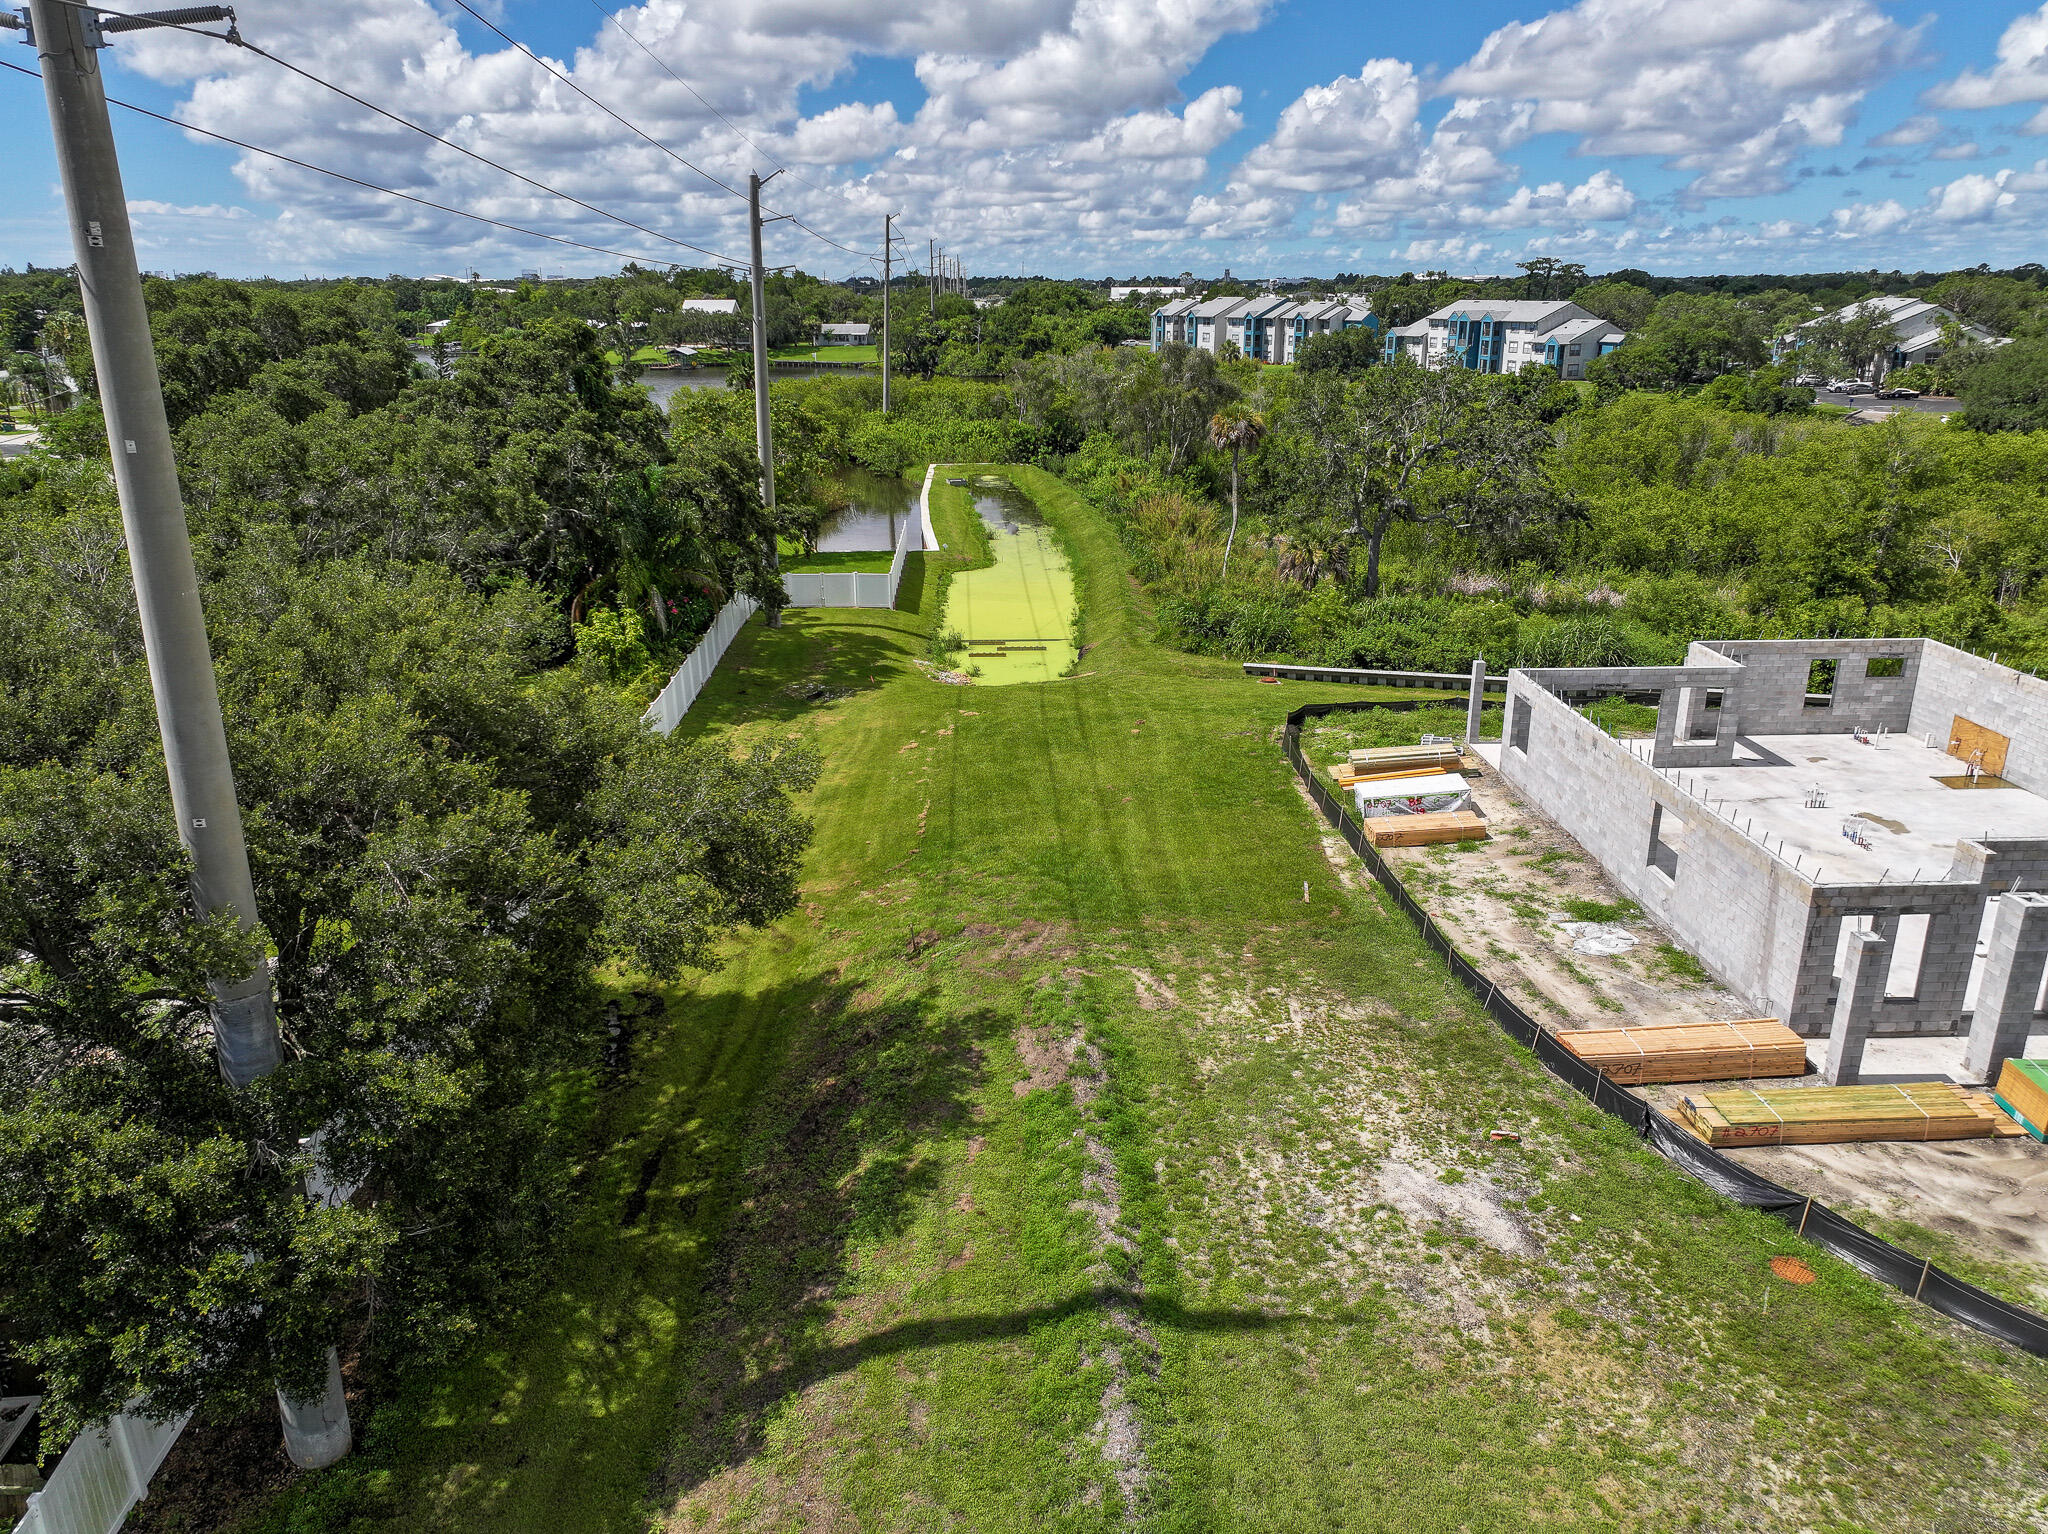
764	438
931	276
888	250
67	39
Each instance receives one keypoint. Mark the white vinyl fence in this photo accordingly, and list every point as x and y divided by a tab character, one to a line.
849	588
666	711
102	1475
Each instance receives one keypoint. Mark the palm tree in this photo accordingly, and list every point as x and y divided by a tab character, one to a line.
1239	431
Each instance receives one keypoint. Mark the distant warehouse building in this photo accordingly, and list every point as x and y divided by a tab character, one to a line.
1263	329
1505	336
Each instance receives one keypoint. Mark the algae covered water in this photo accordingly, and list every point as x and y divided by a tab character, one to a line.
1016	615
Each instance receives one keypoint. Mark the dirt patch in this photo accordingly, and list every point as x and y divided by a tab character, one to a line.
1154	994
1508	903
1008	949
1472	1202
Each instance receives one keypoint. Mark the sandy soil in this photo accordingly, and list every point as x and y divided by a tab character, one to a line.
1503	903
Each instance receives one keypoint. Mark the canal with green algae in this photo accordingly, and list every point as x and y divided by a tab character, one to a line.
1017	615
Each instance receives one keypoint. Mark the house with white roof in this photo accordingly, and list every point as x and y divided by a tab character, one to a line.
1149	290
1506	335
1921	332
710	306
843	335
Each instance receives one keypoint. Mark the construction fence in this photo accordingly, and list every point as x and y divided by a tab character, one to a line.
1814	1221
666	711
101	1477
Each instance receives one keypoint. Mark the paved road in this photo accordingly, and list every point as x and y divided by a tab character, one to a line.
1934	405
13	444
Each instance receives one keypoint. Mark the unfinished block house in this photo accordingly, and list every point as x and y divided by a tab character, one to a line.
1850	834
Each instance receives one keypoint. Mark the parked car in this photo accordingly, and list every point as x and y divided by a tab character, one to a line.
1851	386
1898	392
1810	381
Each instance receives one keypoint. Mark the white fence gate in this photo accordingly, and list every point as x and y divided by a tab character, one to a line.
102	1476
666	711
852	588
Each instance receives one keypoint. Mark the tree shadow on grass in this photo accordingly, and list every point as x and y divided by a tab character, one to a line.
831	1164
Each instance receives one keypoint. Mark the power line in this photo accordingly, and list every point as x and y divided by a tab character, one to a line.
439	207
738	131
579	90
234	38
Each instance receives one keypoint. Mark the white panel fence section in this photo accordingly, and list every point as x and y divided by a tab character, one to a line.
102	1475
666	711
869	589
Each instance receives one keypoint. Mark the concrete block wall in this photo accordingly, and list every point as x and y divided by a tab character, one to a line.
1772	686
1952	682
1742	911
1954	911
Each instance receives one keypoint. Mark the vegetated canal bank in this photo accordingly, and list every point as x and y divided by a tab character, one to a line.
1017	615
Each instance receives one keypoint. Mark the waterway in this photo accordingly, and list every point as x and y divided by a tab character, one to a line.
663	385
877	509
1017	615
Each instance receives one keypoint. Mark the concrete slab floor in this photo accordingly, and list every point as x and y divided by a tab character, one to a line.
1890	1060
1908	822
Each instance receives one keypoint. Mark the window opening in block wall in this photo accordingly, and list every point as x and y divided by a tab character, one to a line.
1667	833
1518	728
1820	683
1885	665
1909	947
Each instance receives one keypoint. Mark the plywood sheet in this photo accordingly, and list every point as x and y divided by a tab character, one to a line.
1966	739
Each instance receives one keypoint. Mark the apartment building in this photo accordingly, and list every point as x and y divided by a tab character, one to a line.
1505	336
1263	329
1920	331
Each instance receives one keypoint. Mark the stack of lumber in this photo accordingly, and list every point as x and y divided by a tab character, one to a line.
1398	762
1756	1046
1919	1110
1421	830
2023	1092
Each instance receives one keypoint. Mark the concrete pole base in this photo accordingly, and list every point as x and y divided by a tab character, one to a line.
316	1427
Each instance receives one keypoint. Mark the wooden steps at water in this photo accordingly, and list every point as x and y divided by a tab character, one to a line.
1918	1110
1424	830
1731	1051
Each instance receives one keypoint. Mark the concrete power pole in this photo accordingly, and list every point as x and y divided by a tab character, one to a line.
931	279
67	40
888	249
764	437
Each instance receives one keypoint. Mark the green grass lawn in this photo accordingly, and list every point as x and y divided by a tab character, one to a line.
869	560
1095	1149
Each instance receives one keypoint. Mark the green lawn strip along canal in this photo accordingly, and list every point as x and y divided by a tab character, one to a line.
1059	1167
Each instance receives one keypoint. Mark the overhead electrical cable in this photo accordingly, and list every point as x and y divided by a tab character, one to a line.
424	202
740	132
236	39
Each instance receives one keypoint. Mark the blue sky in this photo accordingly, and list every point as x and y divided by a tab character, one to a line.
1092	137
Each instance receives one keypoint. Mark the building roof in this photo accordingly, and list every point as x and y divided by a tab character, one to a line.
844	330
1591	328
1917	322
1520	311
1177	307
710	306
1158	289
1219	308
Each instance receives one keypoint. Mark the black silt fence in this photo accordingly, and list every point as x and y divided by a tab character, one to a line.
1814	1221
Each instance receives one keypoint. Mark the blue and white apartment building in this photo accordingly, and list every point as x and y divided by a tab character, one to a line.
1263	329
1505	336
